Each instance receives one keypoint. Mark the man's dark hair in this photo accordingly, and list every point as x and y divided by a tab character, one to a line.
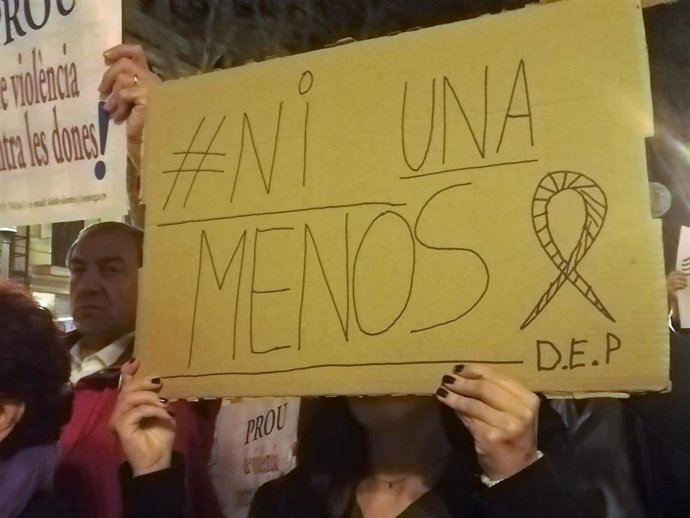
110	227
34	368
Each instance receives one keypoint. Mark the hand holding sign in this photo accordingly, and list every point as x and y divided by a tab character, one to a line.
685	265
675	282
126	83
500	413
145	427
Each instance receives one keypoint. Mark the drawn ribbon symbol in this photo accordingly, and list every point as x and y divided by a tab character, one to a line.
595	214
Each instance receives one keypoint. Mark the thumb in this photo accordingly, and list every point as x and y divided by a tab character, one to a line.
128	370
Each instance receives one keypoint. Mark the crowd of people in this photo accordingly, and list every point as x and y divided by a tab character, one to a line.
82	436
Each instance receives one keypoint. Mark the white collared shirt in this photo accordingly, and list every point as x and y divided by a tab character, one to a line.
82	367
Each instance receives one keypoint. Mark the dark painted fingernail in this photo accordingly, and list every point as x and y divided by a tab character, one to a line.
156	381
132	360
171	413
458	368
448	379
441	392
163	400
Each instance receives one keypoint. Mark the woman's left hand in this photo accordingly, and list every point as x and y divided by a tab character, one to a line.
500	413
142	422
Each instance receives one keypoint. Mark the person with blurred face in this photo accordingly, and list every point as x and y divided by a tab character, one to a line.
35	402
483	447
34	371
104	265
470	452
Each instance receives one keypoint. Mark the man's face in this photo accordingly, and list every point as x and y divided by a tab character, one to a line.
103	286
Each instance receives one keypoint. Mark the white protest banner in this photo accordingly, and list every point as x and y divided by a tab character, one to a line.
60	157
254	442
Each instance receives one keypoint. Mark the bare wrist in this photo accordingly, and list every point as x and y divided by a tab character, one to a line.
164	463
494	480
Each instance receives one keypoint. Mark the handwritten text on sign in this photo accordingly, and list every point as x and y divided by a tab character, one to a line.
357	220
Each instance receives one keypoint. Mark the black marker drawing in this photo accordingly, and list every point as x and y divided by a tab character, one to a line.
455	110
470	168
521	71
305	84
430	246
431	127
358	319
199	168
247	129
595	214
300	368
254	292
344	323
204	245
447	86
306	81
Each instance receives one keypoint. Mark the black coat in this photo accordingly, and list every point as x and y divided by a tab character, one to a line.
549	488
660	425
46	505
536	492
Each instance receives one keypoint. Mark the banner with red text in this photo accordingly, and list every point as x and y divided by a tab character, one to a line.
60	157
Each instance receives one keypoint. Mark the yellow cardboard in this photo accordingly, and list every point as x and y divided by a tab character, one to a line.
357	220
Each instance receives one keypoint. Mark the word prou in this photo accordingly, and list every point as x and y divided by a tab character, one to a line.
550	356
263	425
22	16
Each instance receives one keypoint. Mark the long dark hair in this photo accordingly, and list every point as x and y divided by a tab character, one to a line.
333	454
34	368
332	458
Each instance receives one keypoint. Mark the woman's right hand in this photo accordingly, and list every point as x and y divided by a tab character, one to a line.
142	422
126	84
676	281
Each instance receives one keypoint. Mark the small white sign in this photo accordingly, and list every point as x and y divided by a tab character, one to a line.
255	441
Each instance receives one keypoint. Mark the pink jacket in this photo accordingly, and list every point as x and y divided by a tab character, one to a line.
90	454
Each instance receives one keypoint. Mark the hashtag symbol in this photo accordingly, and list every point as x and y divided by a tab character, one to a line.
188	156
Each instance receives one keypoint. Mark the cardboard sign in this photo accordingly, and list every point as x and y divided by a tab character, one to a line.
359	219
255	441
60	159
